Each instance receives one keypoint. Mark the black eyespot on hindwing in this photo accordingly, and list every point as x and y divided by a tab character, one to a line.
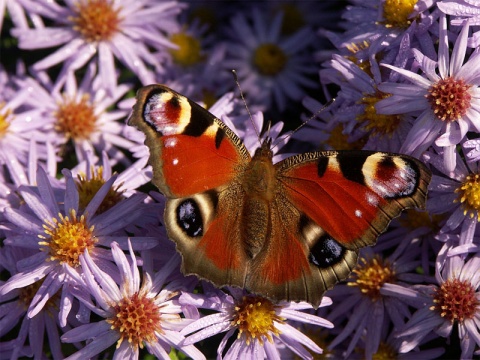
326	252
189	218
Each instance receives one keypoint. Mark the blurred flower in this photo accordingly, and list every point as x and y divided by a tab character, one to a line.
269	66
102	31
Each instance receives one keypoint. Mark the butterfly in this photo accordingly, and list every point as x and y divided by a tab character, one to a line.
287	231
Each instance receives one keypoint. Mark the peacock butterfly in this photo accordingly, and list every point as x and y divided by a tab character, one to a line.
289	230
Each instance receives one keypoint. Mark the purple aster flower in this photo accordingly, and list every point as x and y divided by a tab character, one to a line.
376	27
454	301
445	104
22	130
101	31
15	11
362	305
58	230
23	329
463	10
474	153
136	313
80	113
269	66
258	322
98	171
356	112
455	196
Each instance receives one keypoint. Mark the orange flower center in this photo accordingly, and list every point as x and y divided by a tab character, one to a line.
456	300
449	98
96	20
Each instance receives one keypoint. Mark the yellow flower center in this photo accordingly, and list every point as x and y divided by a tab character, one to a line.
76	119
449	98
26	294
377	124
385	352
4	122
87	188
269	59
469	195
371	275
137	319
189	49
339	141
293	19
254	317
66	238
396	13
96	20
456	300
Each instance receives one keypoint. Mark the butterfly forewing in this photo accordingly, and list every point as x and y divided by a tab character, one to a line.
187	156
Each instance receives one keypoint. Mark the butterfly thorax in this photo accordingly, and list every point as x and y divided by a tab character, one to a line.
259	185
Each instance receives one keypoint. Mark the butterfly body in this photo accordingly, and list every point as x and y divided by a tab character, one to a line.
289	230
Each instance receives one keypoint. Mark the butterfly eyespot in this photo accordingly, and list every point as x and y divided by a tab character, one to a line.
189	218
326	252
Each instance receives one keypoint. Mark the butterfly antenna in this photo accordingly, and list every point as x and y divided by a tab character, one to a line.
235	77
315	114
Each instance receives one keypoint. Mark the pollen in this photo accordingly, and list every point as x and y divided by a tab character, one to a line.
96	20
455	300
397	13
4	120
469	195
377	124
269	59
137	319
189	50
449	98
76	119
371	275
66	238
356	48
255	318
88	188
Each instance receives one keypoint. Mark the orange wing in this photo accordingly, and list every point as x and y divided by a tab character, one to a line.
353	195
191	151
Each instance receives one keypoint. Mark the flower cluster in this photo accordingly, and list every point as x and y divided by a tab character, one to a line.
87	269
